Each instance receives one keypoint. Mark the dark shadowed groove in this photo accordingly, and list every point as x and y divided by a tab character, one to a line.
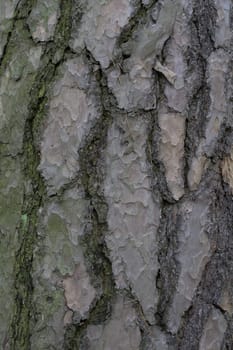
167	231
22	11
158	169
202	45
217	273
225	207
34	193
169	269
204	19
202	24
95	251
192	326
138	18
205	299
223	145
198	108
167	274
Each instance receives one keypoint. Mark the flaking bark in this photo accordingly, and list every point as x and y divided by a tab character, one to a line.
116	175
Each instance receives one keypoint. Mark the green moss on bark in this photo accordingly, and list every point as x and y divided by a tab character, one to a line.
35	191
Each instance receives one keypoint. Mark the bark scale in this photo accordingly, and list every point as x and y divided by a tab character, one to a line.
116	174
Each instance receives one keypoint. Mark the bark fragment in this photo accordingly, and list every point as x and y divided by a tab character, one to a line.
120	332
193	254
74	106
133	215
213	332
171	151
43	19
227	169
118	244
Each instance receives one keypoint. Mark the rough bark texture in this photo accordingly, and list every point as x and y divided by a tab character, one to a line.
116	152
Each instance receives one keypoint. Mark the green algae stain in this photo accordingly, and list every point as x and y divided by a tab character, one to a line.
24	219
36	87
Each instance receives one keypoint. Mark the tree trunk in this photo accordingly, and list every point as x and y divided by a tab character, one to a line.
116	175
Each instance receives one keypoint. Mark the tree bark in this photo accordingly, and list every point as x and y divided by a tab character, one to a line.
116	174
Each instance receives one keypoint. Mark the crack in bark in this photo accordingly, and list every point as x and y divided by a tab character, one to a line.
34	195
201	23
22	11
169	269
216	274
95	250
138	18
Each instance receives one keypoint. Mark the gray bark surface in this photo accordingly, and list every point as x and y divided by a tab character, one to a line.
116	160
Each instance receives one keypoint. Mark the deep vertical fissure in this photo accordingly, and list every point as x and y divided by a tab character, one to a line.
34	187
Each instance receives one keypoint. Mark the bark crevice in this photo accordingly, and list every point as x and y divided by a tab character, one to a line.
34	192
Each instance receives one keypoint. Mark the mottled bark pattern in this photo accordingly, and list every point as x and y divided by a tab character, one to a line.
116	182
